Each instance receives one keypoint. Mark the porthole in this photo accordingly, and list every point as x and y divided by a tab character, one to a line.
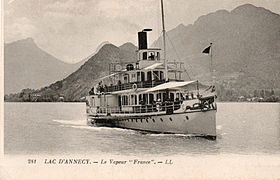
170	119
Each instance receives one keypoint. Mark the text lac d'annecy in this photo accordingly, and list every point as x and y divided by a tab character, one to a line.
88	161
67	161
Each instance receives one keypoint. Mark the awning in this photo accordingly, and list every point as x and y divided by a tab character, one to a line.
171	85
157	65
153	66
128	91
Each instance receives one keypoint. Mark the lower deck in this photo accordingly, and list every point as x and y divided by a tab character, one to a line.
200	123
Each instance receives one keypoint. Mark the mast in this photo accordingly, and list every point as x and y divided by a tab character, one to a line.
164	42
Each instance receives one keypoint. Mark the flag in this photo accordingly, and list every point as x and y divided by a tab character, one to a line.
207	50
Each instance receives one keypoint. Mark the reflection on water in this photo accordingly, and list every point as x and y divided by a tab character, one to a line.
60	128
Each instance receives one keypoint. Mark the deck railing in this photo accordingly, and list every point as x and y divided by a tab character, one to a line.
132	85
169	107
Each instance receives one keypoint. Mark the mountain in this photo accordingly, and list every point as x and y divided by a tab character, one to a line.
28	66
78	84
246	56
246	47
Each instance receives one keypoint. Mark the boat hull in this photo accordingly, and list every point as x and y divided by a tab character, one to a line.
198	123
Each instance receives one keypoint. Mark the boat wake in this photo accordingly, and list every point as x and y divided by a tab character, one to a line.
81	124
92	128
71	122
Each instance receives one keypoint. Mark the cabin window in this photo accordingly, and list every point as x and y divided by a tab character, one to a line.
133	100
125	78
120	100
140	98
149	76
144	55
159	96
164	96
124	100
172	96
142	76
138	76
161	75
179	96
156	75
128	100
129	67
145	98
151	56
151	98
158	56
133	76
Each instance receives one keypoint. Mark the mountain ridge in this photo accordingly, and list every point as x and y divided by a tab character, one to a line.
27	65
246	54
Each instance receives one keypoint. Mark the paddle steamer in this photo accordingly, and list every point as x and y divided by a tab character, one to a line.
150	95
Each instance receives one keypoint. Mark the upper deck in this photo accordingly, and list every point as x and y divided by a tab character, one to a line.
146	71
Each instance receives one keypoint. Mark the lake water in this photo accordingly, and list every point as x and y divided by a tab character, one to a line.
60	128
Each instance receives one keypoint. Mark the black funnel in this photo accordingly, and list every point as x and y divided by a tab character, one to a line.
142	40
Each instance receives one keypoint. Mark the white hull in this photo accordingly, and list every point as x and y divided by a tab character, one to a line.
200	123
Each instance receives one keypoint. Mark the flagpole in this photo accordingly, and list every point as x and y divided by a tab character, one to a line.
213	81
211	63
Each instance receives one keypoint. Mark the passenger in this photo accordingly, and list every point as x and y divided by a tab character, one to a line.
192	95
142	106
177	103
101	88
158	104
91	92
182	97
169	105
119	85
152	57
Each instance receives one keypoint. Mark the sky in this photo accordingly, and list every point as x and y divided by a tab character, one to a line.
71	30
